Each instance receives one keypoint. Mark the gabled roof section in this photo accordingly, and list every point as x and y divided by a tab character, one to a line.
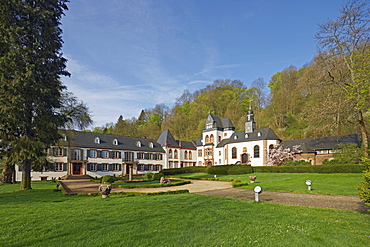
198	142
227	124
222	143
214	121
258	134
81	139
217	123
311	145
166	138
186	144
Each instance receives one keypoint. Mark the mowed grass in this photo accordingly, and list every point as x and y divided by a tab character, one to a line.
330	184
41	217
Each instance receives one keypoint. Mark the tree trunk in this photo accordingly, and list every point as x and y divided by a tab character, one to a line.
8	174
26	175
364	133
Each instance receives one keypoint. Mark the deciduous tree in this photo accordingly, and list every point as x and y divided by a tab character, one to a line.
347	38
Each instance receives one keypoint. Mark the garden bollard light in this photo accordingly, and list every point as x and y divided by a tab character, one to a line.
309	183
257	191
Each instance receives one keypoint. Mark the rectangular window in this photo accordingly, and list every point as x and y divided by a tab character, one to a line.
92	153
58	167
127	156
140	156
116	155
58	151
116	167
104	154
93	167
209	152
77	154
147	156
200	153
105	167
140	167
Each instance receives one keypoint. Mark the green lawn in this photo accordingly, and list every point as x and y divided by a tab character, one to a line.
41	217
331	184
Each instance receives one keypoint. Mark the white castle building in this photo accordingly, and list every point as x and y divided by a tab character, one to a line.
96	155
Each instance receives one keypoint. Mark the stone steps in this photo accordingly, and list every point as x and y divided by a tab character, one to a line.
76	177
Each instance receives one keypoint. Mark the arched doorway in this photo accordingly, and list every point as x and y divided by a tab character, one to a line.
245	158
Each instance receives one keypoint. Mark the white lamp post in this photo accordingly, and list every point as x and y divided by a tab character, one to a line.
257	190
309	183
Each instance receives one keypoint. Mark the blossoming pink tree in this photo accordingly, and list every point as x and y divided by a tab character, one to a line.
279	154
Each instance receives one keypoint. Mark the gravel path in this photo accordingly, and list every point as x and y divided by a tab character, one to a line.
224	189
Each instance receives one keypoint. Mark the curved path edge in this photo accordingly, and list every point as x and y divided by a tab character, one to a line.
224	189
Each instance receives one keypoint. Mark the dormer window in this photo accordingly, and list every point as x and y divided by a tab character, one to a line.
235	137
151	145
64	137
259	134
138	144
97	140
246	135
115	142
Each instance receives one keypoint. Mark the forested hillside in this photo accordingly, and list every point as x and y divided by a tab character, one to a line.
328	96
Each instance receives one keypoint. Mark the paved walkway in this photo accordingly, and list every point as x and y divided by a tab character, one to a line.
224	189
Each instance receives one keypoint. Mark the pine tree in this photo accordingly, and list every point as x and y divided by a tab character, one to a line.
31	64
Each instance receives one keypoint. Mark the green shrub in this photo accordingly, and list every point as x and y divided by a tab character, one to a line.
237	183
189	169
364	189
149	176
157	185
217	170
107	179
296	163
229	169
239	169
157	176
311	169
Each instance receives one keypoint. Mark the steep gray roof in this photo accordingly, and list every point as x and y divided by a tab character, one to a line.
218	123
87	140
310	145
198	142
227	124
166	138
258	134
217	120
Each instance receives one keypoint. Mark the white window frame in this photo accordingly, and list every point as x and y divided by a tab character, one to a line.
58	167
93	167
105	154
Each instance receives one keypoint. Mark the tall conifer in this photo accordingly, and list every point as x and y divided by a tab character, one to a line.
31	64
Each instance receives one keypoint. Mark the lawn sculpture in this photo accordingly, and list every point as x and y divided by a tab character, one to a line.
104	190
164	181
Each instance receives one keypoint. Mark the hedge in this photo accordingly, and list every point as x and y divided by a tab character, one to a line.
189	169
130	186
237	183
247	169
310	169
122	193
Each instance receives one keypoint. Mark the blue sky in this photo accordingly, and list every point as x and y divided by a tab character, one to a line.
129	55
